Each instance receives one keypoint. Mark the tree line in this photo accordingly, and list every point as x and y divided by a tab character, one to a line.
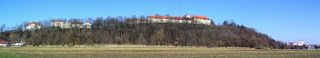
116	30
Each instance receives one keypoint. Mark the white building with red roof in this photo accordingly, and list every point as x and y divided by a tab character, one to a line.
77	25
57	23
196	19
3	43
33	26
201	20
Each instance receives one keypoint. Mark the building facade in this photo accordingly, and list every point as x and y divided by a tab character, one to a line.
77	25
67	24
186	19
299	43
33	26
57	23
87	25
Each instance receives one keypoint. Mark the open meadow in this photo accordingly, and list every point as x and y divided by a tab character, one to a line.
140	51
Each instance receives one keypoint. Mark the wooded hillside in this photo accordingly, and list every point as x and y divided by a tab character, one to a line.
117	31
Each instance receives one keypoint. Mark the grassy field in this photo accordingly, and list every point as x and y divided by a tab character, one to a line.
139	51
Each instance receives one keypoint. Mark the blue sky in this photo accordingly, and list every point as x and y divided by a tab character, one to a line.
283	20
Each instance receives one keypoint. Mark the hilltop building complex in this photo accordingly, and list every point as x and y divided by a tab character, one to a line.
195	19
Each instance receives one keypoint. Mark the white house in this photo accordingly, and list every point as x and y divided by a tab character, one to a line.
67	24
201	20
33	26
87	25
57	23
77	25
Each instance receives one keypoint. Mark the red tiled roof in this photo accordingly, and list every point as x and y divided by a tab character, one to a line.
3	42
33	23
76	23
152	16
200	17
164	17
179	18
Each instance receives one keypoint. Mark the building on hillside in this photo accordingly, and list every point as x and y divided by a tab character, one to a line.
87	25
196	19
67	24
61	24
201	20
187	16
33	26
57	23
77	25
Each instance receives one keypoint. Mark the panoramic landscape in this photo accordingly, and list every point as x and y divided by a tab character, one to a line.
159	29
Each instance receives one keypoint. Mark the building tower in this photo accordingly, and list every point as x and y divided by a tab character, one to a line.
187	16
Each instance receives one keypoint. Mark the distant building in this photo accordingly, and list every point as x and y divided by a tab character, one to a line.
33	26
187	16
201	20
77	25
186	19
299	43
17	44
3	43
57	23
67	24
87	25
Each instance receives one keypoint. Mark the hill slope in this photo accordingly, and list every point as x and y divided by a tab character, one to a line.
114	31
